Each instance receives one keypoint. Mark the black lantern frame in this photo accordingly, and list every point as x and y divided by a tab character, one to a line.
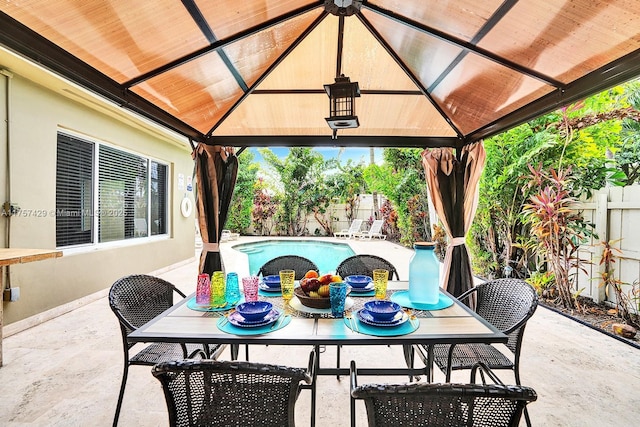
342	105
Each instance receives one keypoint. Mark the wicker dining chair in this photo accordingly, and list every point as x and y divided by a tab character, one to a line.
135	300
439	405
300	265
231	393
365	264
505	303
288	262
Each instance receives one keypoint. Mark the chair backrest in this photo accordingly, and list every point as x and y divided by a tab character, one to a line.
365	264
137	299
288	262
376	226
443	404
355	226
229	393
507	304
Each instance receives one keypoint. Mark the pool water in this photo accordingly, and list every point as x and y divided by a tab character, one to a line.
326	255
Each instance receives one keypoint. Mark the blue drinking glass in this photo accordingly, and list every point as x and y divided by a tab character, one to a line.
337	296
232	289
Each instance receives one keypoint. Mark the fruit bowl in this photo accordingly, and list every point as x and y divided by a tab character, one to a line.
382	309
254	310
313	302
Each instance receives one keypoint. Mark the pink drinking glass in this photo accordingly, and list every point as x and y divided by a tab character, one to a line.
203	290
250	288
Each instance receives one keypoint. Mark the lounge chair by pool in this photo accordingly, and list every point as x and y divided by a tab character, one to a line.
353	229
228	235
374	231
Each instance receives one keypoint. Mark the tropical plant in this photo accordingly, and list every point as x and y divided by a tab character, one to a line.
418	218
558	228
302	189
264	209
390	217
610	282
349	183
320	197
628	155
239	217
598	137
497	226
440	238
400	179
544	283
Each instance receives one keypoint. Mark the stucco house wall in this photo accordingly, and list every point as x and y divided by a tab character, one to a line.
34	106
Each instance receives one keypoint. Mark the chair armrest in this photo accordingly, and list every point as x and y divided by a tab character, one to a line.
353	376
525	319
484	370
311	368
466	293
194	353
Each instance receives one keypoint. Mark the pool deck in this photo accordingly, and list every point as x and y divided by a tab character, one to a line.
67	371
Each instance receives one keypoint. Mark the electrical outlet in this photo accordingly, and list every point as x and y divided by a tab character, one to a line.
11	294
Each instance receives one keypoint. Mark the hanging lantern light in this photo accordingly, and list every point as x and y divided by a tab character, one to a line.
342	106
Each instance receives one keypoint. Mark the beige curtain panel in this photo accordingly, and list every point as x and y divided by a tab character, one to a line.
452	178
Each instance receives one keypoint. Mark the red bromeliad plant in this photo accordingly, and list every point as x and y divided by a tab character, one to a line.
558	228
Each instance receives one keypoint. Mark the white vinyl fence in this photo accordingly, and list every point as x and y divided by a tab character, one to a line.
615	212
337	212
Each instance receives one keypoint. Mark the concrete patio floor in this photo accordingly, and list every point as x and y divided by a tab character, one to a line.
67	371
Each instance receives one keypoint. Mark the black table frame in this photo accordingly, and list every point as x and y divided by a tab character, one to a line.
315	337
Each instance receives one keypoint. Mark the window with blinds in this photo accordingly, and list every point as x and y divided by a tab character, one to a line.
131	198
74	188
158	194
122	195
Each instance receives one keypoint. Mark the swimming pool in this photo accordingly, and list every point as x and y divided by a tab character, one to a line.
326	255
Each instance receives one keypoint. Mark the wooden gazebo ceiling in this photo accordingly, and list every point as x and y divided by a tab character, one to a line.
251	72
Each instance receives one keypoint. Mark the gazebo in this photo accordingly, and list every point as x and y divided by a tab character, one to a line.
230	74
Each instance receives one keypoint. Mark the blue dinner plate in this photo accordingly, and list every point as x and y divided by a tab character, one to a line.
365	317
367	288
267	288
236	319
273	281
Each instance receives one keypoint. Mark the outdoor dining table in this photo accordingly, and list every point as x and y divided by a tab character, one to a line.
453	324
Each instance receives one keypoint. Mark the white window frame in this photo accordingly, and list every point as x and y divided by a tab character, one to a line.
96	244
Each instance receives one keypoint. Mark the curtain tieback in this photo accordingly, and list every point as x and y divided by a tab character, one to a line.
457	241
211	247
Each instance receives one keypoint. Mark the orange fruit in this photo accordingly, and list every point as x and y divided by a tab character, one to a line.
336	278
311	274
